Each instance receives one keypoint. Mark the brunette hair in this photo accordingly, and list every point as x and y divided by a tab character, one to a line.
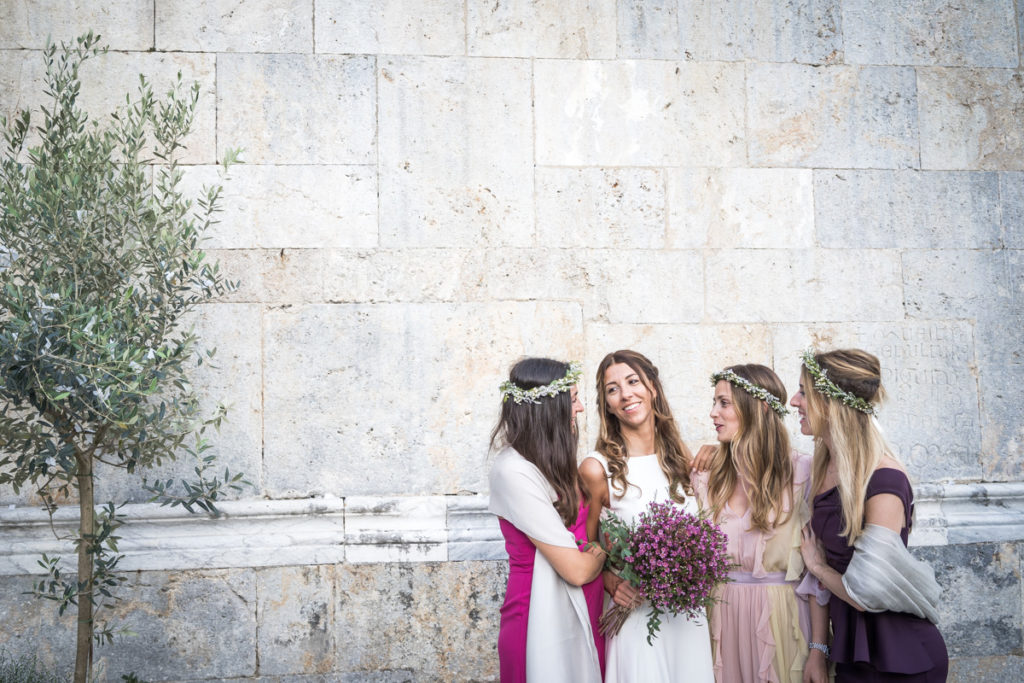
543	433
857	443
673	455
758	455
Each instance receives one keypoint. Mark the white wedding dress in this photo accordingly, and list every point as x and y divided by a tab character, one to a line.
682	649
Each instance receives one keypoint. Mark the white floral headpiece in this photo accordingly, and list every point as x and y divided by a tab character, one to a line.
754	390
829	388
520	395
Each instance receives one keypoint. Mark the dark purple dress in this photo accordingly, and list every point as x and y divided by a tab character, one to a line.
882	646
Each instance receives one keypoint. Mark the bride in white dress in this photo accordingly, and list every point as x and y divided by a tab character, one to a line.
640	458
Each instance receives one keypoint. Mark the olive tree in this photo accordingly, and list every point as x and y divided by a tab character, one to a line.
100	267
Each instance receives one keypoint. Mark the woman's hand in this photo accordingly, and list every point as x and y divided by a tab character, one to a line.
702	460
812	552
622	591
816	668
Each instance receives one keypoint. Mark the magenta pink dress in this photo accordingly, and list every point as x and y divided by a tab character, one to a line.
516	609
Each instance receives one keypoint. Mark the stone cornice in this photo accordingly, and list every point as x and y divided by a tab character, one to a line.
371	529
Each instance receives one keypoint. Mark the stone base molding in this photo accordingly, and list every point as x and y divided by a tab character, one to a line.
371	529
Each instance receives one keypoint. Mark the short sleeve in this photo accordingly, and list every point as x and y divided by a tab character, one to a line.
893	481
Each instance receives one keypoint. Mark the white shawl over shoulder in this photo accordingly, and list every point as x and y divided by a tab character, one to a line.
559	642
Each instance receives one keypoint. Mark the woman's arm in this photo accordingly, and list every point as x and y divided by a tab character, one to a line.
884	509
816	666
596	483
572	565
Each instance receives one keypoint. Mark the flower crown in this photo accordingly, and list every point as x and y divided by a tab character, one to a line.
520	395
826	386
754	390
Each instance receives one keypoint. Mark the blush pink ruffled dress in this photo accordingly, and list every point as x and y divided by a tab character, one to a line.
759	627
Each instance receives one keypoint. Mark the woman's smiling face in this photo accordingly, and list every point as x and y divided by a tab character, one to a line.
627	397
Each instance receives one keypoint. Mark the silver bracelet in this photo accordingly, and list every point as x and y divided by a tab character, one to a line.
821	646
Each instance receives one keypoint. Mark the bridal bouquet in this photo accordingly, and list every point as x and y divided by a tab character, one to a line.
673	558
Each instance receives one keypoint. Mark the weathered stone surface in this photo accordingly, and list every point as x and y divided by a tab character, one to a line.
431	27
834	117
1011	192
956	283
395	529
33	627
648	29
802	285
377	399
124	25
229	26
930	32
399	275
685	356
744	207
931	416
274	276
446	177
916	209
986	669
970	118
643	113
265	106
579	29
292	207
435	621
200	622
598	207
980	610
296	614
1001	378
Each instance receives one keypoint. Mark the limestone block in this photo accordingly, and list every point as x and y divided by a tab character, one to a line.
473	531
648	29
980	609
229	26
756	208
805	31
998	668
970	118
33	627
1011	192
395	529
573	29
685	356
398	275
27	24
438	621
930	32
446	177
1001	377
747	285
537	274
385	398
296	615
431	27
931	417
639	113
641	286
207	619
956	283
835	116
916	209
297	109
295	207
231	377
600	207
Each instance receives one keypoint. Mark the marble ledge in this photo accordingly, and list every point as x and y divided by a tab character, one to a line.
397	529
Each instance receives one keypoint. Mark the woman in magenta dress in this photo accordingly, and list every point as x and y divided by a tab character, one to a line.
548	630
881	602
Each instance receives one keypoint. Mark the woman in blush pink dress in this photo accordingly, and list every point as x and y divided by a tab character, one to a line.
756	490
548	631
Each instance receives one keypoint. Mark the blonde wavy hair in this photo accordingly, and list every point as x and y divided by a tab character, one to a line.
857	444
758	456
673	455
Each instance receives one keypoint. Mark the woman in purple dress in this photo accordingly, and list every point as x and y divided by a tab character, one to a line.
548	631
881	602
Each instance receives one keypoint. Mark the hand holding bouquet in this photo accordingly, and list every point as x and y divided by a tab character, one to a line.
673	558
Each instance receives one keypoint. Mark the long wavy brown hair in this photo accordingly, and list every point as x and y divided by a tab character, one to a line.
673	455
857	443
543	433
758	456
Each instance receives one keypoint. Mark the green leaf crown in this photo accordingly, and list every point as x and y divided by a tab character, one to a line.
754	390
520	395
829	388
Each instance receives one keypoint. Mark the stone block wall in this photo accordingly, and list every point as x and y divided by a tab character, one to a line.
434	188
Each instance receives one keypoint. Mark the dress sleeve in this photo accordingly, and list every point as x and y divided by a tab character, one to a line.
521	495
891	480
